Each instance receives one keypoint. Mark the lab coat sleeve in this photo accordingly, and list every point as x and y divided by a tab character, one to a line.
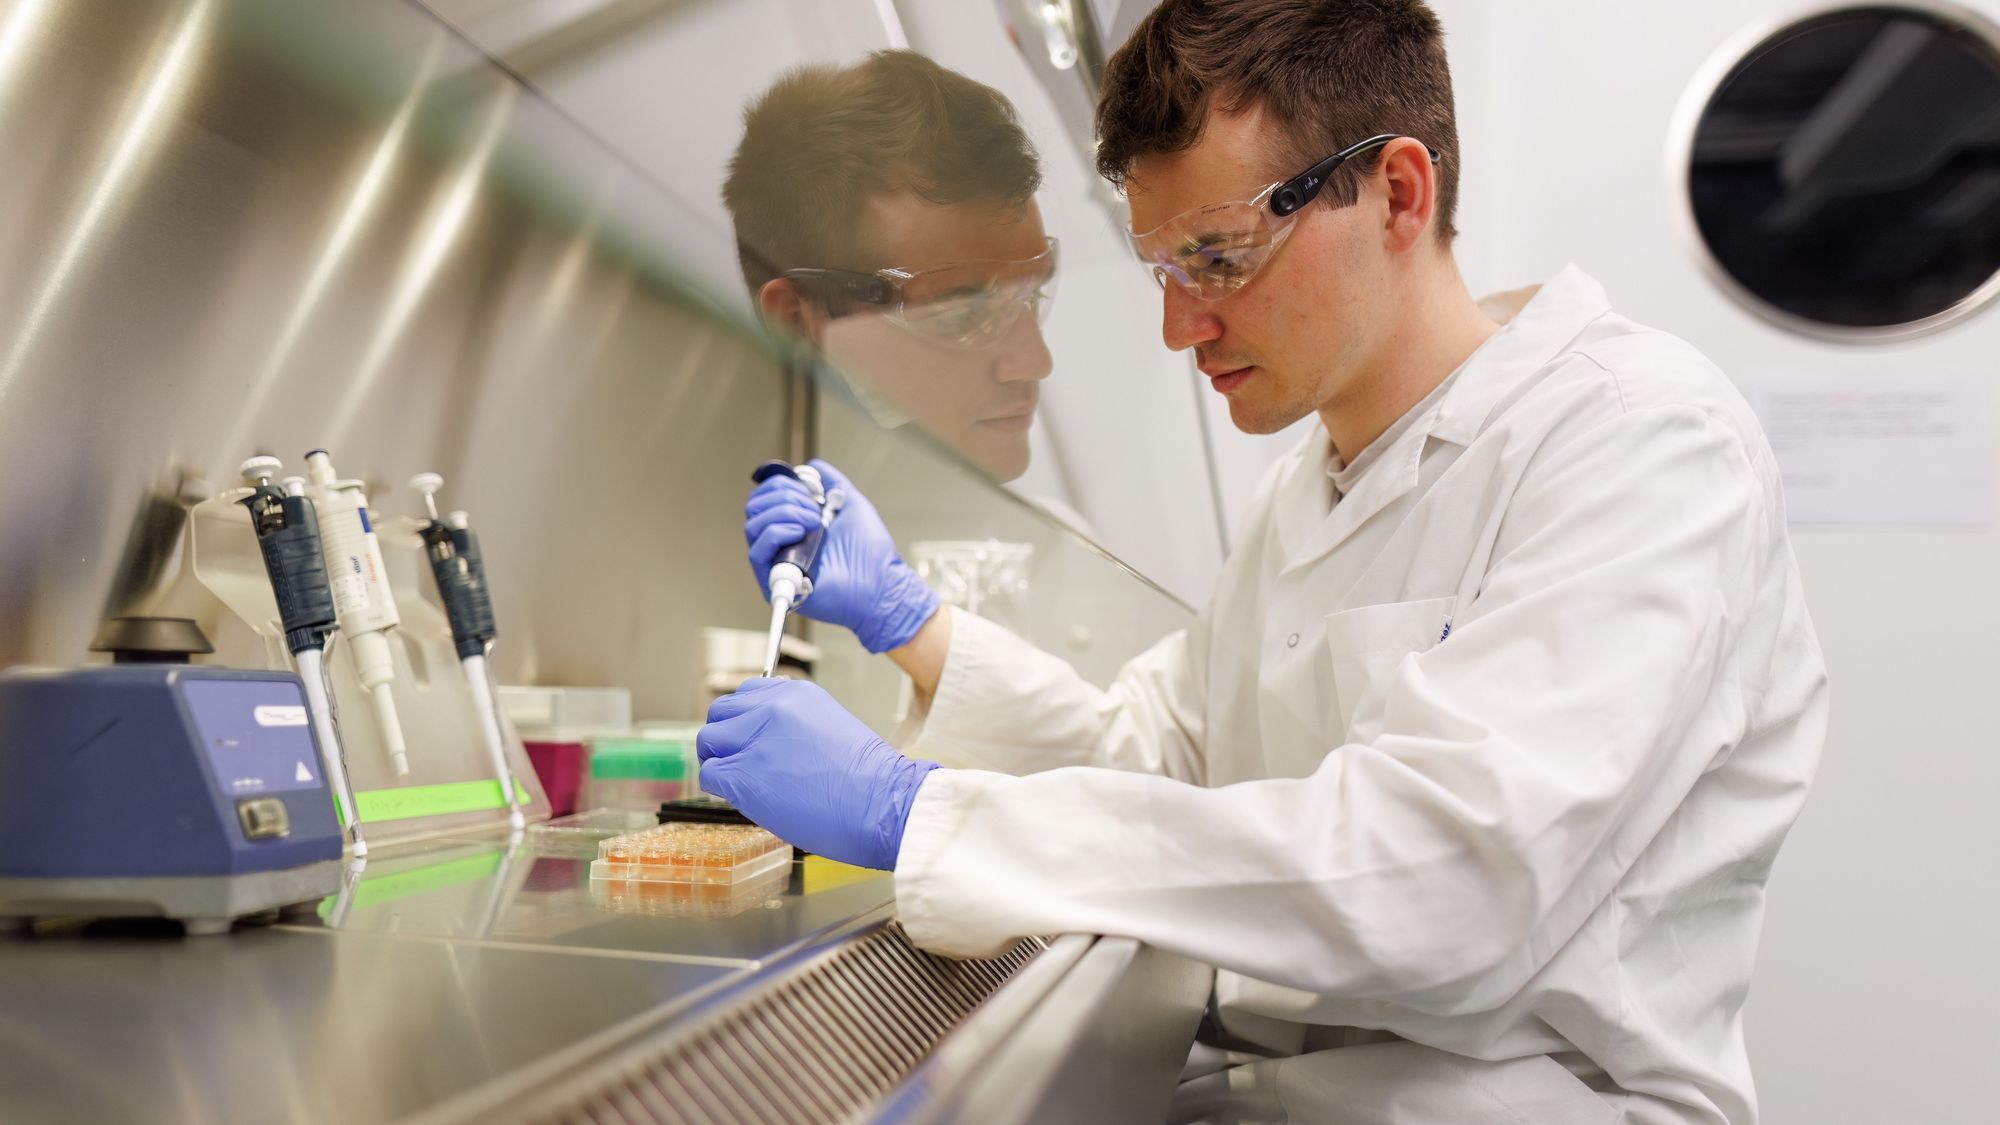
1518	768
1004	705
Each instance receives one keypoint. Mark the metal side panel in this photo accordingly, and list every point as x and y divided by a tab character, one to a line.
822	1037
1103	1043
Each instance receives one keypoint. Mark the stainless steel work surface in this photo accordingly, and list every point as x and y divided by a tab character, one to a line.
135	1023
440	965
526	893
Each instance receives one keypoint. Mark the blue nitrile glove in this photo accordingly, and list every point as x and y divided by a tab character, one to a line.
793	760
859	581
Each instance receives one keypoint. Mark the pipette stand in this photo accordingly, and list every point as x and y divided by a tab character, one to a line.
450	786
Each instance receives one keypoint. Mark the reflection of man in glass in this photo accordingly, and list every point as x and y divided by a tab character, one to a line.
885	213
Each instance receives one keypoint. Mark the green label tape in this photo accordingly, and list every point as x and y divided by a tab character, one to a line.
433	800
398	884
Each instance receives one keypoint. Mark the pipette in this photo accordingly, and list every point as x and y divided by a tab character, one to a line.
288	533
460	571
791	570
361	598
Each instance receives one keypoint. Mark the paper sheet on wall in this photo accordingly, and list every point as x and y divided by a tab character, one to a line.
1881	450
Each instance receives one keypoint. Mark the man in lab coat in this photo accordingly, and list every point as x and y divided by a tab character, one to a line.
1469	777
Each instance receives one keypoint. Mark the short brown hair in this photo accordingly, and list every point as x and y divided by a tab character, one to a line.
823	139
1327	72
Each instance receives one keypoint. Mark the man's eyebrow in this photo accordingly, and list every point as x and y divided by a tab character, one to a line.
1209	238
962	289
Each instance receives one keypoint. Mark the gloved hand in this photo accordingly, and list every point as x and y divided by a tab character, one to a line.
793	760
859	582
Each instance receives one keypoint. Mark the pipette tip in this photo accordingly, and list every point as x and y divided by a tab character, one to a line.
779	604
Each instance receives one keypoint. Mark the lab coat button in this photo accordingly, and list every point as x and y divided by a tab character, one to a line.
1292	641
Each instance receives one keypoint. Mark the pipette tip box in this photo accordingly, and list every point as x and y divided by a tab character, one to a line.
691	853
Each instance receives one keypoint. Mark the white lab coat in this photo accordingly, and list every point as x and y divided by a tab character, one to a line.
1532	848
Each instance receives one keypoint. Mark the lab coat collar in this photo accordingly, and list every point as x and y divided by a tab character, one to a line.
1307	530
1566	304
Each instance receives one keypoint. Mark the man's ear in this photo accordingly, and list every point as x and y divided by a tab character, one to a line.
787	311
1412	183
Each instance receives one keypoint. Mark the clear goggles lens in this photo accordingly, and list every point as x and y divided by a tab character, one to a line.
973	304
1213	251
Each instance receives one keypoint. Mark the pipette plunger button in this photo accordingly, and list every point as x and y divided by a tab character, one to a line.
259	469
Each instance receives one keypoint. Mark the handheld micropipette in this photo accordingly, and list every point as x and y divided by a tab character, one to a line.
460	571
361	598
790	572
288	533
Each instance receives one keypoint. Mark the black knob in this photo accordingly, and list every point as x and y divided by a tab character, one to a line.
150	640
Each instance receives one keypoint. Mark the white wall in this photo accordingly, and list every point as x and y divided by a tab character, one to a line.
1877	985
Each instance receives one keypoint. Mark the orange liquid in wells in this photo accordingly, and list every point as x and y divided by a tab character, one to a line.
708	853
618	851
654	855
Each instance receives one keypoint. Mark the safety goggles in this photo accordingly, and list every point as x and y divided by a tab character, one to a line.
1215	250
961	305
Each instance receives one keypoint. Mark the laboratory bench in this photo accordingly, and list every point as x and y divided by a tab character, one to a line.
486	977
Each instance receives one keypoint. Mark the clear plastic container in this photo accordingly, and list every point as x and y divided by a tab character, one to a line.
579	833
641	770
633	793
691	853
597	824
572	711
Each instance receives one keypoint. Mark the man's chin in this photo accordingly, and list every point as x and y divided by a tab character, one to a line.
1259	418
1002	457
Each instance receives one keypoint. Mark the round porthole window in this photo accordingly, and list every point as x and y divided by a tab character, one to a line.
1843	174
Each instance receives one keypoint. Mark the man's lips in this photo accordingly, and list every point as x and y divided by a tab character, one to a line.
1225	379
1017	421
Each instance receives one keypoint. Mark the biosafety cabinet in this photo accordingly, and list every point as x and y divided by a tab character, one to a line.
234	229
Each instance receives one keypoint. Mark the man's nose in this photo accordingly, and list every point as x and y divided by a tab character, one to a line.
1024	355
1186	320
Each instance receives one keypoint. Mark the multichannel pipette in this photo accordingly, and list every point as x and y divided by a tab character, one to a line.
461	577
288	533
361	598
791	570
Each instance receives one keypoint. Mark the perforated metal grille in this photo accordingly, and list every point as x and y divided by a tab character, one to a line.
820	1047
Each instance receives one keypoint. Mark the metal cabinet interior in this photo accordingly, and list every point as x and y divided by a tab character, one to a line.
241	226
